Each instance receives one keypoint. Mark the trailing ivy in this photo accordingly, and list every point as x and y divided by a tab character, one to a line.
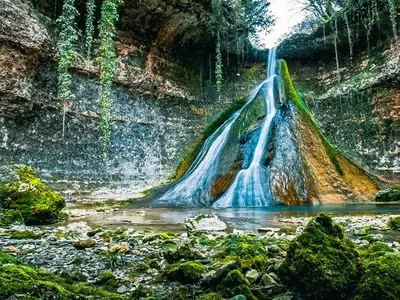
67	39
90	9
218	62
107	59
393	13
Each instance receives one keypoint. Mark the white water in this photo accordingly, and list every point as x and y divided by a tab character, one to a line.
194	187
248	188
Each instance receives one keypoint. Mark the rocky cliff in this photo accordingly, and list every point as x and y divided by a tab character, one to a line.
357	106
158	107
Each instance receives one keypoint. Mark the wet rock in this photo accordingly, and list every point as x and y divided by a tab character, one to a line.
122	289
121	248
268	280
252	275
205	222
362	231
214	277
83	244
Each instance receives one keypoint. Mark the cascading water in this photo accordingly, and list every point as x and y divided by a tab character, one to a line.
248	188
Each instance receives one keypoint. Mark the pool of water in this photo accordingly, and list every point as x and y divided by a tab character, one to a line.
172	219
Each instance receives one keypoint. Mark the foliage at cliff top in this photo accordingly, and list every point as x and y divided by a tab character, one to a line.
21	190
322	263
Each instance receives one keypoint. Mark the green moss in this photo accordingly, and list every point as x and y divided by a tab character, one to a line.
187	272
305	112
394	223
388	195
73	276
138	268
242	246
174	254
235	284
16	278
211	296
105	276
321	263
10	217
142	292
26	193
25	235
195	147
181	293
382	274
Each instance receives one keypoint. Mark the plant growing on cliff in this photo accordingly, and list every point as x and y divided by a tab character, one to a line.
68	36
90	9
393	13
107	59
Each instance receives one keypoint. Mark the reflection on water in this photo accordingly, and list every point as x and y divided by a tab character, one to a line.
165	219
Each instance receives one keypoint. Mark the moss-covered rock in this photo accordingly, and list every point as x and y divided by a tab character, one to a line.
181	293
10	217
25	235
322	263
211	296
382	274
388	195
16	278
83	244
394	223
187	272
22	190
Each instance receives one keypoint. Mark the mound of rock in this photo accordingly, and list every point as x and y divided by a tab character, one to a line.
22	191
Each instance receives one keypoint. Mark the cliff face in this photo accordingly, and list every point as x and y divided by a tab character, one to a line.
357	106
156	117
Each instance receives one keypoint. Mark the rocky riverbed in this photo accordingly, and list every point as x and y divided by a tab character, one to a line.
189	264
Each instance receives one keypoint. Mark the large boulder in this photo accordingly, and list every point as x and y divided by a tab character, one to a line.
322	263
382	274
22	190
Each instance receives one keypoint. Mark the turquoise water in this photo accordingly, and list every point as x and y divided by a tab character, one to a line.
164	219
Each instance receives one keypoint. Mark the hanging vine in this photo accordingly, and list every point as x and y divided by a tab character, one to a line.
107	59
218	63
393	13
89	32
67	39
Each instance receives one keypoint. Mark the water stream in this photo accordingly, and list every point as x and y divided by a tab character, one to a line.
250	185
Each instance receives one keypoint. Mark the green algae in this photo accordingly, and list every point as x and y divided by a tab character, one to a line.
322	263
25	192
187	272
292	95
17	278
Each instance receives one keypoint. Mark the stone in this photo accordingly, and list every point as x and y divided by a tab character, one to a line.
11	249
122	289
120	248
268	280
362	231
239	297
252	275
22	190
83	244
214	277
205	222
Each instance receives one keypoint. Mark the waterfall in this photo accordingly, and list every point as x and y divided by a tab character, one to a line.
248	188
250	185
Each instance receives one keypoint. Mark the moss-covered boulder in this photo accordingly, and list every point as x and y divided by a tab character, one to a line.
394	222
388	195
382	274
22	190
187	272
18	280
10	217
322	263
